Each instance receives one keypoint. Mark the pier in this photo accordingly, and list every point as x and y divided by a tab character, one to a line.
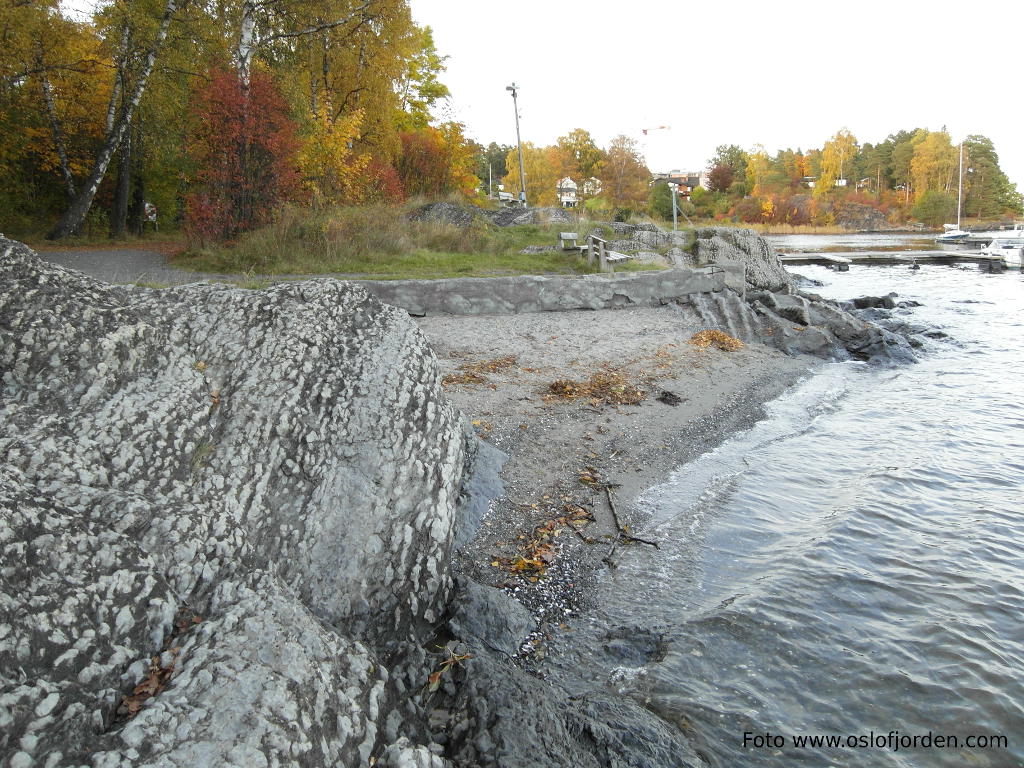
883	257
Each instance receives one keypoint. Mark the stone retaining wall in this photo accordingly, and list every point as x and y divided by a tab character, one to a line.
534	293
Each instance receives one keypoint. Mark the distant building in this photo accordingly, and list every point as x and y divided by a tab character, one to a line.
811	181
687	181
568	190
592	187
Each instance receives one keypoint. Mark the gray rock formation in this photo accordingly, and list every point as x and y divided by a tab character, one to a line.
764	270
515	216
448	213
228	510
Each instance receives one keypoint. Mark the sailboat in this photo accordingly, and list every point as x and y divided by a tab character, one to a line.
954	234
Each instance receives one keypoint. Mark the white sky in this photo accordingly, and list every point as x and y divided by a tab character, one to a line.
785	74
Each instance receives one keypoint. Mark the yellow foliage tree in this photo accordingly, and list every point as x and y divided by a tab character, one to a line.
758	167
544	168
836	157
461	158
331	171
934	164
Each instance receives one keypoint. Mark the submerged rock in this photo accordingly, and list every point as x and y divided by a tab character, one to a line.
226	522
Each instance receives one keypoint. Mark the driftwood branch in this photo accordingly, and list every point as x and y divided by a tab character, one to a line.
622	533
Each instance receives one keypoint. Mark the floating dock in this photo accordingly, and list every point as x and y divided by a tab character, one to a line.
883	257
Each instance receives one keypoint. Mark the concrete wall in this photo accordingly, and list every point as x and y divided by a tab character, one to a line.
535	293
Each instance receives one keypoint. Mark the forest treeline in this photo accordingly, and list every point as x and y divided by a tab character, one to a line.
217	111
211	114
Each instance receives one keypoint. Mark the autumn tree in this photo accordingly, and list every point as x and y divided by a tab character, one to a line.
903	146
836	157
52	80
243	145
584	156
543	167
626	177
934	164
436	161
122	108
419	87
720	177
331	171
732	156
758	170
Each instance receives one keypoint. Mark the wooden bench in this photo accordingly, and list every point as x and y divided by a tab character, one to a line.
568	240
598	248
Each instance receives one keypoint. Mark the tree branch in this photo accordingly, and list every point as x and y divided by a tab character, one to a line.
318	27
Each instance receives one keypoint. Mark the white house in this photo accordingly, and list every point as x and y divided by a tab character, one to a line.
568	191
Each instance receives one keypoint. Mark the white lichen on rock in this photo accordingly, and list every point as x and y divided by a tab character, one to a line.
278	467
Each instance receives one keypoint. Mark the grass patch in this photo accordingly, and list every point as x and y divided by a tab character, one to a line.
381	242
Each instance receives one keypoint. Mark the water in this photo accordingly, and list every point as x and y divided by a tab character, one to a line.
853	565
854	242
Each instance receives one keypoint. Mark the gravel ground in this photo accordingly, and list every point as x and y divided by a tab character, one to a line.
561	452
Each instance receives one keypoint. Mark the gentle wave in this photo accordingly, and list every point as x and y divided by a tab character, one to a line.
854	563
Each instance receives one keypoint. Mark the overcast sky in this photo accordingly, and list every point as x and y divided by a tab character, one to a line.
785	74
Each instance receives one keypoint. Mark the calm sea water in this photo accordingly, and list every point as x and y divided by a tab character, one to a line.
853	566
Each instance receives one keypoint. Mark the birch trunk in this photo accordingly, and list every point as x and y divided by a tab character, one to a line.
119	212
75	214
58	133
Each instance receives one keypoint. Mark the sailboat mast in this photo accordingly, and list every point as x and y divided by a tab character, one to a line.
960	186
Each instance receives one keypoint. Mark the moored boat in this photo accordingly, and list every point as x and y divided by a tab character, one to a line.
1008	250
953	234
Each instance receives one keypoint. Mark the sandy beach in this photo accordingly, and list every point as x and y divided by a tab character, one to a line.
563	450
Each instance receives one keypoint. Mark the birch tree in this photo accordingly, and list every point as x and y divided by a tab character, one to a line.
82	202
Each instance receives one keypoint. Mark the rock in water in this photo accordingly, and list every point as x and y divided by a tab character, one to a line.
225	512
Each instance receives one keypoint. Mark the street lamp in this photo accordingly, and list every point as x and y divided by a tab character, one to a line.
673	189
522	175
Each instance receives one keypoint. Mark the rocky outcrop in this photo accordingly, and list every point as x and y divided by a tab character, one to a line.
225	523
448	213
725	244
775	312
860	217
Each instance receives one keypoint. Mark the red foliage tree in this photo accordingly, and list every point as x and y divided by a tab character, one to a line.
243	145
423	164
720	178
383	184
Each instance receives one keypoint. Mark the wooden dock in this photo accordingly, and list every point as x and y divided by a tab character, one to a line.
882	257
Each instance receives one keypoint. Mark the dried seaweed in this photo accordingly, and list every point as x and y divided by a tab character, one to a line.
718	339
606	386
475	373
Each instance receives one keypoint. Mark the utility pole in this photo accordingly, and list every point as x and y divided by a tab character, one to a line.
519	143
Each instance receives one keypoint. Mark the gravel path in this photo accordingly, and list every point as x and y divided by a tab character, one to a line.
126	266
